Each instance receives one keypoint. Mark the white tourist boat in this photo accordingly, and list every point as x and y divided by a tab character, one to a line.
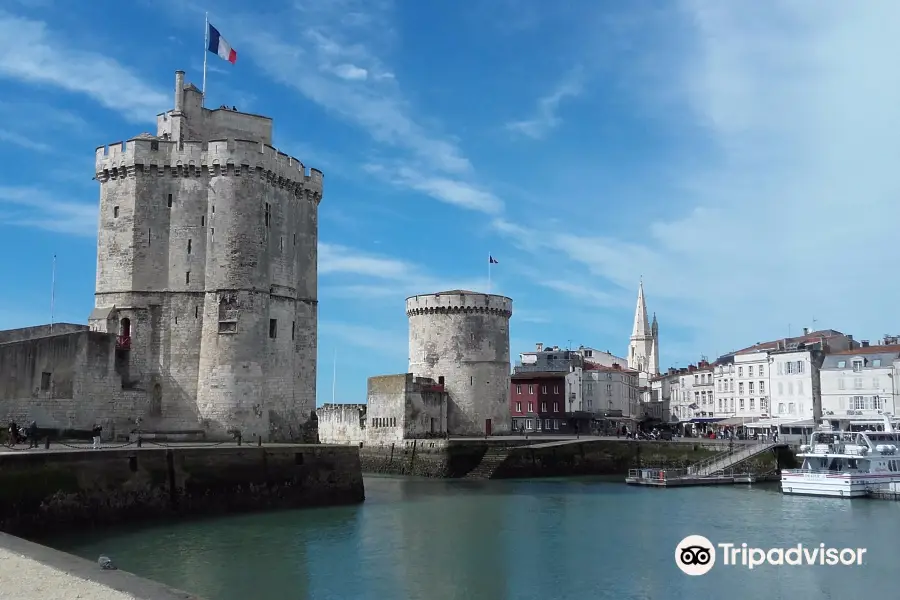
845	463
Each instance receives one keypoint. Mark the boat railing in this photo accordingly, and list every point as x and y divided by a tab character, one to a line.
657	474
814	472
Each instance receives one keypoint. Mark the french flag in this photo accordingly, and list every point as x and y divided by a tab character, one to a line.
218	45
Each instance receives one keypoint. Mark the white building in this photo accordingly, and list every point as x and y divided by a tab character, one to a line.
691	394
723	378
643	347
751	385
859	386
610	391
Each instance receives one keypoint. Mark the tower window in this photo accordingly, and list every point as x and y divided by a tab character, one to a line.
268	214
115	212
212	232
196	312
45	381
273	328
281	244
149	236
293	328
214	209
295	239
203	221
189	247
169	201
187	278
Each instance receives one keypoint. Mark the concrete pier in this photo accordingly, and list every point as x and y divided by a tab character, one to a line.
29	571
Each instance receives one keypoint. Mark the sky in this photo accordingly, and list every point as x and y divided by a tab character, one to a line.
740	157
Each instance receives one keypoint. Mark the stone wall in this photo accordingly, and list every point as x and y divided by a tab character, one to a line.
51	491
342	423
449	459
27	333
67	381
461	340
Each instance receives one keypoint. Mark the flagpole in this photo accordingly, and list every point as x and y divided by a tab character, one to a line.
205	54
490	264
52	291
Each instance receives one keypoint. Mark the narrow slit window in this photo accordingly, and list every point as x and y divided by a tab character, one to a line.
268	214
115	212
281	244
273	328
149	236
214	209
187	278
169	201
295	239
203	221
196	312
189	247
293	328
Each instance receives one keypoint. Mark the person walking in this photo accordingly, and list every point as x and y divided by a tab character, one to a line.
33	434
96	431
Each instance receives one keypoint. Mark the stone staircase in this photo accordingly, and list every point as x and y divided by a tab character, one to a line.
729	460
490	462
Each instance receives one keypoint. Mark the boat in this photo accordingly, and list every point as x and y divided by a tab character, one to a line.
845	464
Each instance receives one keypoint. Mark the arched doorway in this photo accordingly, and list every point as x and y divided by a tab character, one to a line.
125	327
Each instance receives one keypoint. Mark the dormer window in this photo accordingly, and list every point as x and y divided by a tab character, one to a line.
842	364
857	365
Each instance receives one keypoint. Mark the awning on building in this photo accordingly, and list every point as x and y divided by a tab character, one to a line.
769	423
730	421
707	419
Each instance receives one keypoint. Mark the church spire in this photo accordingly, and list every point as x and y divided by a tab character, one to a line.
641	324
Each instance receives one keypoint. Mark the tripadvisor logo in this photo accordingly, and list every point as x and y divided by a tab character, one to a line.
696	555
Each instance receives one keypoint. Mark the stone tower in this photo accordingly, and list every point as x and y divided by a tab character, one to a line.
206	268
643	349
461	339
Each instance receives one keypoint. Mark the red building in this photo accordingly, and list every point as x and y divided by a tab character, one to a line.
537	402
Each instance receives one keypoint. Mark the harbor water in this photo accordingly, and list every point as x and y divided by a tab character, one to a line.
496	540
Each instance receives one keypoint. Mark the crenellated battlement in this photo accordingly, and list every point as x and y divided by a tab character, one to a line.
458	301
147	154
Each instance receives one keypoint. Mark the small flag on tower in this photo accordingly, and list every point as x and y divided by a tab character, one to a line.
492	261
218	45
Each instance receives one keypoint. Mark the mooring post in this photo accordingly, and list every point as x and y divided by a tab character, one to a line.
139	441
239	438
47	443
259	440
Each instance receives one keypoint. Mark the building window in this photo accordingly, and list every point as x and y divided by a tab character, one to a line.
762	372
750	371
115	212
555	389
752	403
189	247
762	387
268	215
295	239
281	244
203	221
187	278
876	362
530	389
529	425
45	381
750	387
741	404
556	424
518	407
196	312
543	407
790	408
543	389
149	236
842	364
740	371
857	366
169	201
740	387
696	380
273	328
293	329
531	407
763	404
471	380
556	407
518	389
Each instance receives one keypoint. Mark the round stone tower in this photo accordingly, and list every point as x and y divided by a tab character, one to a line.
461	339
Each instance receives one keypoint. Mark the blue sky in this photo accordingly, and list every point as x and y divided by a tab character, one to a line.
741	157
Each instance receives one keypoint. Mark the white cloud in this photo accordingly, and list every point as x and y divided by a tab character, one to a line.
10	137
38	209
783	203
31	53
351	72
546	117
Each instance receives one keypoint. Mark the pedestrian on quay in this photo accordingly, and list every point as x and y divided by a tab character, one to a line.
13	434
96	431
33	434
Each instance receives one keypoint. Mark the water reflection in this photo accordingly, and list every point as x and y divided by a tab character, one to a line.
442	540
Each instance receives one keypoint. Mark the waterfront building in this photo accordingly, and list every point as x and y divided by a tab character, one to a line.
611	393
723	386
859	386
538	401
205	315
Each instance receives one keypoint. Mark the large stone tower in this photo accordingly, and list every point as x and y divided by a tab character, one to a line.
643	347
461	339
206	267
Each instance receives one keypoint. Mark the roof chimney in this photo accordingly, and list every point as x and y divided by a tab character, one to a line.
865	343
179	92
806	331
539	347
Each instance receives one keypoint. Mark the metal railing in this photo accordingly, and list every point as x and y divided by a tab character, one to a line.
731	459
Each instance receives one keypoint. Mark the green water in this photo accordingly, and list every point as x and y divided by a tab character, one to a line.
548	539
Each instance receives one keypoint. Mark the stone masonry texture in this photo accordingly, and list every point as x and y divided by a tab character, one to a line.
461	339
207	260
